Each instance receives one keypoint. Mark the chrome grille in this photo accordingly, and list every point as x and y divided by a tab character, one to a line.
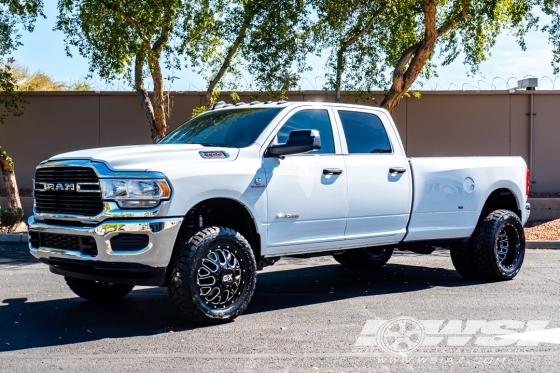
67	190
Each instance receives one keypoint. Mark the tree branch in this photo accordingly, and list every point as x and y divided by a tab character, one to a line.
132	21
352	39
451	23
232	50
165	30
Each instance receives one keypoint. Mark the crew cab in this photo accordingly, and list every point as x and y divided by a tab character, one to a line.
234	189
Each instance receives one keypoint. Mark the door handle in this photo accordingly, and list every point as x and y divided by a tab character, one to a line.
397	170
332	171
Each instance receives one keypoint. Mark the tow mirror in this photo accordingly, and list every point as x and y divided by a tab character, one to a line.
300	141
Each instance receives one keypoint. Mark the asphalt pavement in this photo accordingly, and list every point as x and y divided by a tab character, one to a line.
307	315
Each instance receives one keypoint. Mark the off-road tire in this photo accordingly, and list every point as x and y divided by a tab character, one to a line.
97	291
499	227
462	259
370	257
344	259
184	288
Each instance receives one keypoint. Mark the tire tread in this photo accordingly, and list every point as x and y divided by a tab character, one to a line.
185	258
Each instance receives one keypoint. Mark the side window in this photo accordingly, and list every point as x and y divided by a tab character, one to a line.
364	133
310	120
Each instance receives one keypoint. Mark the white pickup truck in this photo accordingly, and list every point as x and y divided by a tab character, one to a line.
232	190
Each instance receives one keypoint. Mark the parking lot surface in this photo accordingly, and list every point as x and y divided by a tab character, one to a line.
307	315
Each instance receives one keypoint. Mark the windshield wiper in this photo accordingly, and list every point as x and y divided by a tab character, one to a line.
206	144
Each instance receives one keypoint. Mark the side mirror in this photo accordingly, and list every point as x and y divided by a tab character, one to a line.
300	141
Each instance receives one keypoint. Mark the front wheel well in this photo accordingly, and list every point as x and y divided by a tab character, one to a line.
222	212
501	199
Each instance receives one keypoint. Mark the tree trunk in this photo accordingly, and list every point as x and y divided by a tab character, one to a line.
404	76
159	100
9	178
346	44
339	70
227	60
143	94
417	55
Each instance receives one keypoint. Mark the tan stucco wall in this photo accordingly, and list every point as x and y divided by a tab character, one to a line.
438	124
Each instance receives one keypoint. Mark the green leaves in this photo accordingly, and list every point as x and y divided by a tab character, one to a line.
127	38
399	45
11	101
13	13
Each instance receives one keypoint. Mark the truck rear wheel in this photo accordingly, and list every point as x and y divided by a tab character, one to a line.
498	246
213	275
371	257
462	259
495	251
344	259
97	291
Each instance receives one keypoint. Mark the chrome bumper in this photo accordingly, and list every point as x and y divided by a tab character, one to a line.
527	212
161	232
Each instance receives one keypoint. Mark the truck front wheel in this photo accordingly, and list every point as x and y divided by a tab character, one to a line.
213	275
97	291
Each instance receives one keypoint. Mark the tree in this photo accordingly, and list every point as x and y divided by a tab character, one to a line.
393	42
551	8
343	27
456	26
265	36
13	13
127	38
40	81
9	178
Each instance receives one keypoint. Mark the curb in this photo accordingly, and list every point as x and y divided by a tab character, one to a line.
13	237
542	245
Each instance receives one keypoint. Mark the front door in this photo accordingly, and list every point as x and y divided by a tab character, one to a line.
306	192
379	179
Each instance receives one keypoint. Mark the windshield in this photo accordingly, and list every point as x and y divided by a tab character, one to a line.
236	128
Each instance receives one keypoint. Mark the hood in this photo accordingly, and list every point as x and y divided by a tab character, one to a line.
144	157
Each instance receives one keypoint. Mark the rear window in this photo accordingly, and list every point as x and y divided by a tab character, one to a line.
364	133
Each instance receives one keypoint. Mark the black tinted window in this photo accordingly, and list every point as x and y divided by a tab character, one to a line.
364	133
234	128
310	120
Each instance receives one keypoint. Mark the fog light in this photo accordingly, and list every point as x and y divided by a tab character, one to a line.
131	204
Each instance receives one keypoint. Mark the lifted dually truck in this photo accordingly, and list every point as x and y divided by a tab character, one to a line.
232	190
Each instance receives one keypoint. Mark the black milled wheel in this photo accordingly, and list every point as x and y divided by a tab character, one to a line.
344	259
213	276
371	257
462	258
498	246
97	291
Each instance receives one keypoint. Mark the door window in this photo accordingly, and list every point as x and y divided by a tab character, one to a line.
310	120
364	133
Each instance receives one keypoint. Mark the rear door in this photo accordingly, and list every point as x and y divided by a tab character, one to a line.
379	177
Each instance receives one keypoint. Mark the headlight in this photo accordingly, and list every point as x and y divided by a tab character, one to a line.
135	193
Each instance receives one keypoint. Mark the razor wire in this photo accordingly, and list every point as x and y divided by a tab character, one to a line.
545	82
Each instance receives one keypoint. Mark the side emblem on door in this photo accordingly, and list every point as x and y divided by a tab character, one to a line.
287	216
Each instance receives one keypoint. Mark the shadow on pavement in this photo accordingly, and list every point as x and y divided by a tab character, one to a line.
149	311
327	283
15	254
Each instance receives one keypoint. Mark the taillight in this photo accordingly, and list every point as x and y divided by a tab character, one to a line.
528	182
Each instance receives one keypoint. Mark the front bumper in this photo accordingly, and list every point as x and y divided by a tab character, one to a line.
154	257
